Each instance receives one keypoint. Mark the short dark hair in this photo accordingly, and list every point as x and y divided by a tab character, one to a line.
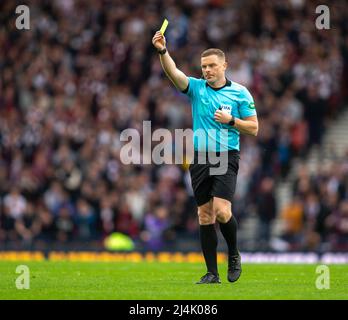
212	51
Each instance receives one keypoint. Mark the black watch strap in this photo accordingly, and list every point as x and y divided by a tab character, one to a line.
163	51
232	121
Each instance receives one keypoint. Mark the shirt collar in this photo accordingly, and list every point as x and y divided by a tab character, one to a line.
228	83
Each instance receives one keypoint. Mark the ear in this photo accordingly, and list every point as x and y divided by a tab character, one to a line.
225	65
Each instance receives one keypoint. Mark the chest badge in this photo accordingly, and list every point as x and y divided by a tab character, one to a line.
226	108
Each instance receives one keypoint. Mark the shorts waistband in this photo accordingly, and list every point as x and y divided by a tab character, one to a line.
217	153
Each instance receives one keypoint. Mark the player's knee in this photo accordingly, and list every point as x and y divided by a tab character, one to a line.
205	217
223	214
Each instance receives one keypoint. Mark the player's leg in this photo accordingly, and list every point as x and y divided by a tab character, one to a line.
223	191
202	185
209	241
228	223
228	226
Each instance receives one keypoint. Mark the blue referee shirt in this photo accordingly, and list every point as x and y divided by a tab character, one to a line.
210	135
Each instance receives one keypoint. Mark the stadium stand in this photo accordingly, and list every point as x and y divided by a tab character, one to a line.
86	70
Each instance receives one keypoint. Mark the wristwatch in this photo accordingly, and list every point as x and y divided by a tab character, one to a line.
163	51
232	121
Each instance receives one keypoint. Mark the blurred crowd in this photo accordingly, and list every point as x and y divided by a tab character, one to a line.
317	216
86	70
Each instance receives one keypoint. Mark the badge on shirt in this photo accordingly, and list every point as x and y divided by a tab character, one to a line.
251	105
226	108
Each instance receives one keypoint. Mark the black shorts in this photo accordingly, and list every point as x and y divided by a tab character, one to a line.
206	184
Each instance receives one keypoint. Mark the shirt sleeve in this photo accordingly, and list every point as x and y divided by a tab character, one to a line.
192	87
247	104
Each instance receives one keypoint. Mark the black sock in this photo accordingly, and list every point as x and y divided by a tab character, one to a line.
229	231
209	243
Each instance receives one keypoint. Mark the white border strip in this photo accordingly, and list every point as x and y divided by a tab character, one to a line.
326	258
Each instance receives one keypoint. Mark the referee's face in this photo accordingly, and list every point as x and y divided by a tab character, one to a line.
213	68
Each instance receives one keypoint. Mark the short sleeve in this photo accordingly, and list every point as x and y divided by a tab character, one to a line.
192	86
247	104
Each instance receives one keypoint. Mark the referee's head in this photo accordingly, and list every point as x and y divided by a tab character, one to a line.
213	64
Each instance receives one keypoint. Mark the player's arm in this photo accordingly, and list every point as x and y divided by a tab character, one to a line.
175	75
248	125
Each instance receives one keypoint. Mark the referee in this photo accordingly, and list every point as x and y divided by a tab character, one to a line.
217	103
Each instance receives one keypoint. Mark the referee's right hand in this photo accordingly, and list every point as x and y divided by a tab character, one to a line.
159	41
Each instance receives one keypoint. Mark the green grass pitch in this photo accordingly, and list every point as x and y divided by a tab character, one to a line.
172	281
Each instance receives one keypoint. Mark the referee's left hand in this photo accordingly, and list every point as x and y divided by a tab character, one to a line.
222	116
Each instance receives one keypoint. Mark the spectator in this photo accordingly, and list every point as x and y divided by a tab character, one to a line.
7	227
54	196
156	229
337	223
64	224
125	222
107	215
266	210
15	204
85	220
47	227
293	217
28	225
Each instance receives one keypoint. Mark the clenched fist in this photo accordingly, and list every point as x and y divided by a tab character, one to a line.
222	116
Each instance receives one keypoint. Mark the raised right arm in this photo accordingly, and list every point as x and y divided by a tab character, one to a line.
175	75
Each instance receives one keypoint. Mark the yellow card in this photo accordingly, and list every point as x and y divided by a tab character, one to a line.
164	26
